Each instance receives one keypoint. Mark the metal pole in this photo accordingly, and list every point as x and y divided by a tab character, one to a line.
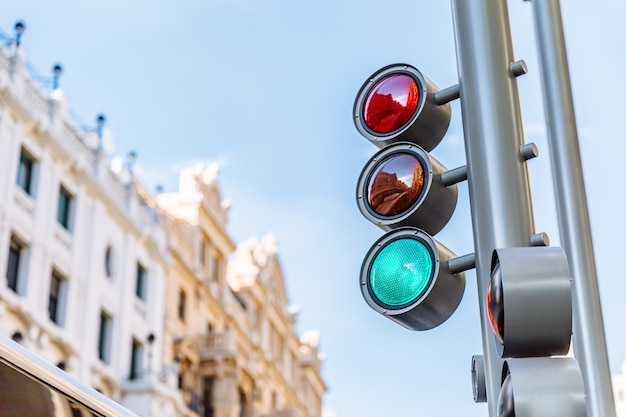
499	188
571	203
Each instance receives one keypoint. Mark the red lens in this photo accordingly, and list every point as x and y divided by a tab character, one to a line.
391	103
495	303
395	184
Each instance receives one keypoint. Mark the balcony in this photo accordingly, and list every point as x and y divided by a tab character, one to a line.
218	345
285	412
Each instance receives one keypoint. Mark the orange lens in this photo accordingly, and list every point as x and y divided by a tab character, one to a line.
395	185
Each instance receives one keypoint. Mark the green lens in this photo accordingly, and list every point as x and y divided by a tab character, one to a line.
401	272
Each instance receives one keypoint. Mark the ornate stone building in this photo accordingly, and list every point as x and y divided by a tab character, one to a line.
229	327
144	298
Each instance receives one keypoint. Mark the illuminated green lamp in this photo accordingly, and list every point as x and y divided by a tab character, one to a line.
401	272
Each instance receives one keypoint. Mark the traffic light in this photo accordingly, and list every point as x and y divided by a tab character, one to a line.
407	275
541	387
529	301
529	304
398	103
402	185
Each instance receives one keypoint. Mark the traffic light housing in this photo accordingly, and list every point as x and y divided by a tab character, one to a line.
529	304
541	387
407	275
402	185
529	301
398	103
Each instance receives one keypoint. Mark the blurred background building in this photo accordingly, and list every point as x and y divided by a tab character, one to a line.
142	296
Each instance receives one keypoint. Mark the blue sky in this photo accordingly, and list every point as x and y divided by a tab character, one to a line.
266	87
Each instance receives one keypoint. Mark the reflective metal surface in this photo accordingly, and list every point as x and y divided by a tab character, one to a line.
571	204
506	400
22	396
32	387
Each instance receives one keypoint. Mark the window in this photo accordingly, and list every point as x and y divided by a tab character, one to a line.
204	250
216	267
104	336
136	356
276	344
182	299
294	367
184	372
64	208
108	262
140	283
56	299
239	298
16	251
76	410
25	171
207	396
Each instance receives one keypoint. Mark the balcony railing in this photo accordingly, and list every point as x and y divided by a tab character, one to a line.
285	412
217	344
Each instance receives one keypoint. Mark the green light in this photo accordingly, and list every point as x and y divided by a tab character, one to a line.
401	272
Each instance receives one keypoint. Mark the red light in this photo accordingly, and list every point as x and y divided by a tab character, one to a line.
391	103
495	303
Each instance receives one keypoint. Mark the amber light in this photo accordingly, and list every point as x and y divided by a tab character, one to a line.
395	185
390	103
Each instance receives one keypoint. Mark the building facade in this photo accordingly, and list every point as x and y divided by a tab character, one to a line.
145	298
84	257
229	326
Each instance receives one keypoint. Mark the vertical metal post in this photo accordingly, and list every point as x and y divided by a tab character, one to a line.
571	203
499	188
